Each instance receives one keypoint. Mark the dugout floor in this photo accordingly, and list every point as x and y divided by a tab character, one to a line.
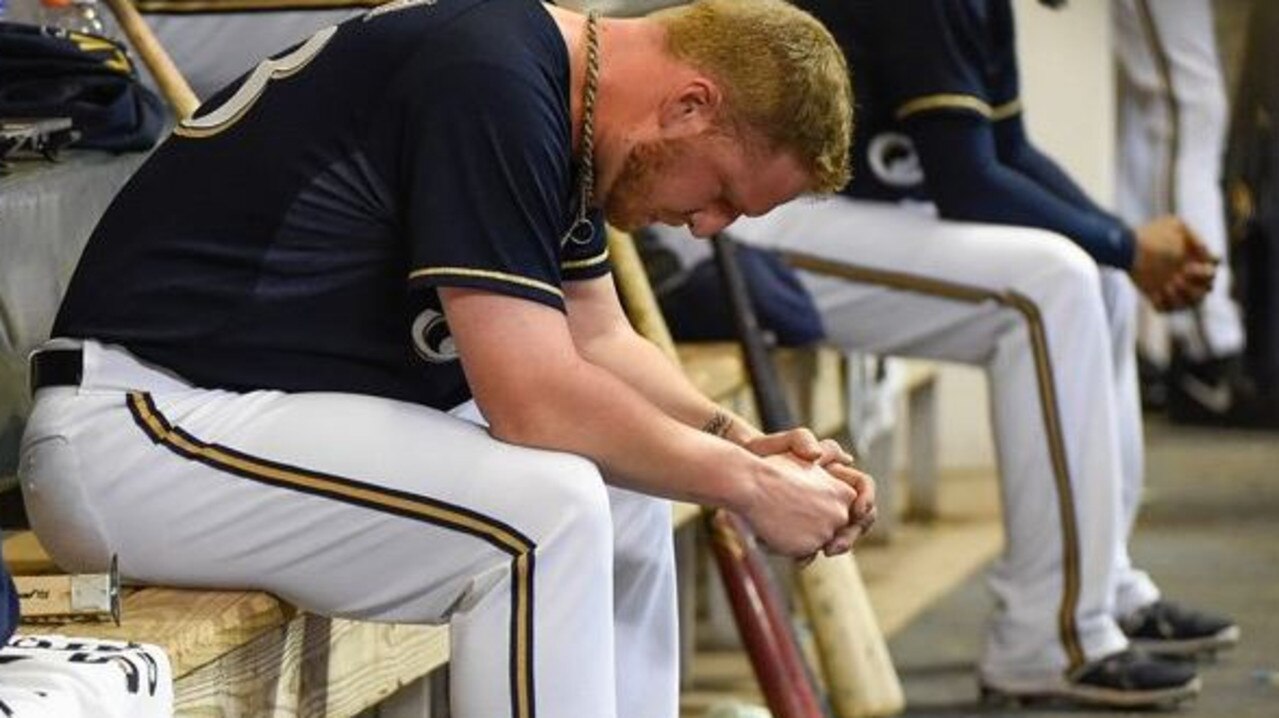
1209	533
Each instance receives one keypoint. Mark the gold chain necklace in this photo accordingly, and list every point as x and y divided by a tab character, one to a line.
583	230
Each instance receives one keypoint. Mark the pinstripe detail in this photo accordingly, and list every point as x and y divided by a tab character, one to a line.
588	262
1067	629
486	274
957	101
437	513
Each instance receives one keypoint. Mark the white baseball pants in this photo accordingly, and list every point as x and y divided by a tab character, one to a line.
1172	124
1055	335
559	590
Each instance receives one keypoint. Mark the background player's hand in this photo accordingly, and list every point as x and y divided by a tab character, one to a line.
1170	265
803	443
797	507
1187	288
1196	277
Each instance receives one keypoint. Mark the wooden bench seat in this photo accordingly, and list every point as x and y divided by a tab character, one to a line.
247	653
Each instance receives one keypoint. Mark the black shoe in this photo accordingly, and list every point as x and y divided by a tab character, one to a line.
1218	392
1122	680
1163	628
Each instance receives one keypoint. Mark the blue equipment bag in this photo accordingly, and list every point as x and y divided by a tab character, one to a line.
51	72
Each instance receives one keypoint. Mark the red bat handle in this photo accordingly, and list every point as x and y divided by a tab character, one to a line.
766	631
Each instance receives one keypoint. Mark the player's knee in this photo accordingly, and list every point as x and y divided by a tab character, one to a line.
642	532
575	489
1058	263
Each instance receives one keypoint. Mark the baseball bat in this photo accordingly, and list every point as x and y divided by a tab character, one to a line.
172	85
859	672
767	636
761	618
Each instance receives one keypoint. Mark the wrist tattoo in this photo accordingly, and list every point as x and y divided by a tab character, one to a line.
718	424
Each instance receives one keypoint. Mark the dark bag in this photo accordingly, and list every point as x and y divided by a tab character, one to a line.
695	302
50	72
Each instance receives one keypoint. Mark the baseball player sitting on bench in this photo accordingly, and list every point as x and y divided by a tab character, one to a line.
1046	306
261	372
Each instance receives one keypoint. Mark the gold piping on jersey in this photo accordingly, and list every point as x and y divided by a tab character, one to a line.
232	6
1006	110
486	274
246	96
119	61
956	101
436	513
588	262
1067	629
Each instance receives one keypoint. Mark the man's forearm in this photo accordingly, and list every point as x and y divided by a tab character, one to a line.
645	368
639	445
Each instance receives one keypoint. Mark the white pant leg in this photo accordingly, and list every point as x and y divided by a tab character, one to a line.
645	613
1172	122
1133	587
344	505
1026	305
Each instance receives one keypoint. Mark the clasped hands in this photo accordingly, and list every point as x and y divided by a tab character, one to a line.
822	460
1172	267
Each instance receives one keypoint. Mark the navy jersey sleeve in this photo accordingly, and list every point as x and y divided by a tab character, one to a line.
489	179
586	258
1016	151
947	56
969	182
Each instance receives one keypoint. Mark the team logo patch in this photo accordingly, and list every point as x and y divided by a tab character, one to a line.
893	159
431	338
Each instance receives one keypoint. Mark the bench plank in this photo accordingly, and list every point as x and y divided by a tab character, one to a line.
313	666
193	627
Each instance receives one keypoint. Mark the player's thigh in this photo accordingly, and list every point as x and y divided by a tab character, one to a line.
344	504
902	281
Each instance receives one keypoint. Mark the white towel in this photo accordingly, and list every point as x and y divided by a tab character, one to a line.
63	677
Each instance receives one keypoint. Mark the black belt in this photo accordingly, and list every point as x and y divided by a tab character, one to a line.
56	367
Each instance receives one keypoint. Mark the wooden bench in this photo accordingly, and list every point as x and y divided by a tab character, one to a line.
246	653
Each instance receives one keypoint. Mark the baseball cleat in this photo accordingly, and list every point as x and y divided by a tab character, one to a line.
1121	680
1218	392
1166	629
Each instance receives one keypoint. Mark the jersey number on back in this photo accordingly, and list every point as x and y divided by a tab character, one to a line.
230	112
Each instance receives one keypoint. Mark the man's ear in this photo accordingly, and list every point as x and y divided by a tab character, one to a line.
691	109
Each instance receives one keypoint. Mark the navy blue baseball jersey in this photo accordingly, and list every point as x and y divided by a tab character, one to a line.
912	58
938	118
294	233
